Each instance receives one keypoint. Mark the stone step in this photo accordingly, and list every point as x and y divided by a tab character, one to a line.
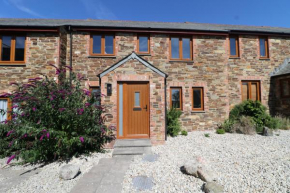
131	151
132	143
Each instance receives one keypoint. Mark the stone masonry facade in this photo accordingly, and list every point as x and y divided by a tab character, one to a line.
211	69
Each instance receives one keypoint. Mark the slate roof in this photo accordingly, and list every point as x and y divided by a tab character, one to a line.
283	69
5	22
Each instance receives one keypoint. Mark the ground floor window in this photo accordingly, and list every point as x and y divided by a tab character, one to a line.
251	90
176	98
285	87
197	99
4	107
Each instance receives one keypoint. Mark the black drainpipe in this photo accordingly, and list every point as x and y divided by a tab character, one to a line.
165	88
100	86
70	55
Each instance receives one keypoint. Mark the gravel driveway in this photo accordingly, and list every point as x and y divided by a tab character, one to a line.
243	163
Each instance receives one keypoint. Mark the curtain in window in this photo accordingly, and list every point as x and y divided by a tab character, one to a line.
3	106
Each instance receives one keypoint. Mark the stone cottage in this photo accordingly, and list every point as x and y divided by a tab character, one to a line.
145	68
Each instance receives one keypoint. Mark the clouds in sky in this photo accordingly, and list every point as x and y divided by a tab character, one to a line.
98	10
20	5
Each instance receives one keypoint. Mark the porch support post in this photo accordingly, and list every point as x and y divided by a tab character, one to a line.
165	89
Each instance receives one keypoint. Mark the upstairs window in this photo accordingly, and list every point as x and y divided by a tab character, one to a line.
180	48
285	88
12	49
102	45
143	44
251	90
197	99
176	98
264	47
234	47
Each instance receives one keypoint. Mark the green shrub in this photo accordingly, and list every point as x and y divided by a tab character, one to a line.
282	122
183	132
253	109
220	131
244	125
54	120
173	124
206	135
227	125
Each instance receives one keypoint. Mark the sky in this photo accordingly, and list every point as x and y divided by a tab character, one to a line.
274	13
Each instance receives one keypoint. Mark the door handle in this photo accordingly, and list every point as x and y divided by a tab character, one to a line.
145	107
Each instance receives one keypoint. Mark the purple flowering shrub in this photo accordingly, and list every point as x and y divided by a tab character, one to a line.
53	120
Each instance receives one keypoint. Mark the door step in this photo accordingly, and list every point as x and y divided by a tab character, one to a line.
125	147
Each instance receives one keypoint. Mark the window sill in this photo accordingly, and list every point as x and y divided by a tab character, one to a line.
12	64
234	58
197	111
264	58
185	61
102	56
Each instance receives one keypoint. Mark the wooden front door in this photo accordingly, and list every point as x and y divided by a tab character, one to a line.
133	110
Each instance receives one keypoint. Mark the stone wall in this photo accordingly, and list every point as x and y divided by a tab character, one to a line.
281	105
41	49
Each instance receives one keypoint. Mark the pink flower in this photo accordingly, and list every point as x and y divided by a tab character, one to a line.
38	122
34	108
10	144
9	133
87	92
80	111
87	104
41	138
82	139
11	158
61	109
47	135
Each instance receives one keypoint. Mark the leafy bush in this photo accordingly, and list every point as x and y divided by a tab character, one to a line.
183	132
244	125
220	131
206	134
227	125
253	109
282	122
173	124
53	120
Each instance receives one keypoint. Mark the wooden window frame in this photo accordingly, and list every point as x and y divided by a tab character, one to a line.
237	46
180	97
249	88
12	49
102	44
9	107
181	48
266	47
202	98
94	87
148	42
281	87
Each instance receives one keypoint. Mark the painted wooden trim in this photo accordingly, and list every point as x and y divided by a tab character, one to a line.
102	44
148	43
12	50
181	49
180	97
236	45
249	91
201	98
266	48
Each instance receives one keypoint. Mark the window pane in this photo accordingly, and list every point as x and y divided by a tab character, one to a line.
254	91
137	99
262	47
6	48
174	47
97	44
196	98
185	48
175	97
19	48
143	44
233	46
96	92
245	91
285	88
3	106
109	44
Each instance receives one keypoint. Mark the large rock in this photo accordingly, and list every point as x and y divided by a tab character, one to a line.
69	171
191	167
206	174
212	187
267	131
